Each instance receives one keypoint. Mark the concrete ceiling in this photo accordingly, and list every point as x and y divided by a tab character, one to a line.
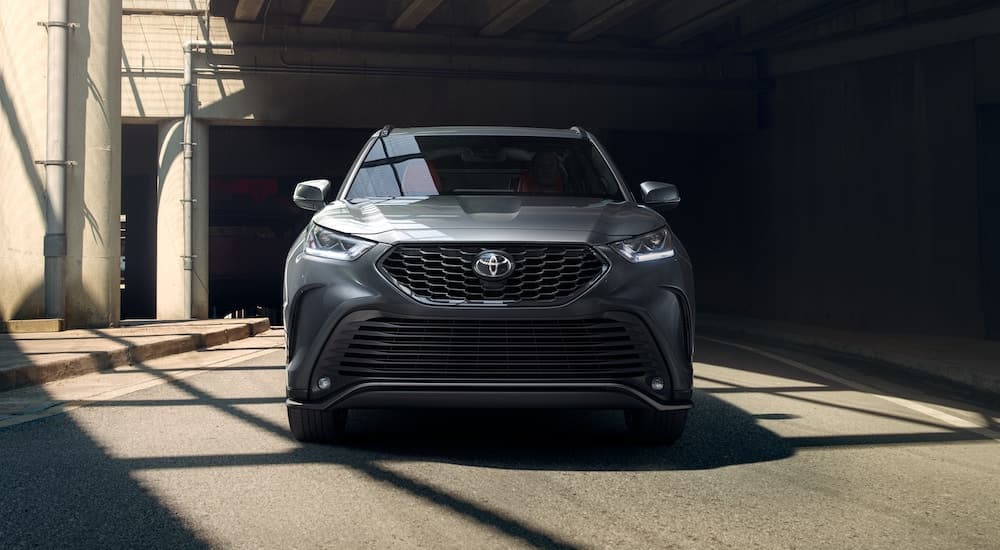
679	26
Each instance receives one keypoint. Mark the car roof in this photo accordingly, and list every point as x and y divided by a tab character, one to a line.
570	133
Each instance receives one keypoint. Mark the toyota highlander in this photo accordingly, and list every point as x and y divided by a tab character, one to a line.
487	267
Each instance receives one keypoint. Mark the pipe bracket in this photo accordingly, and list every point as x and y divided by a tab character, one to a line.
56	162
54	245
63	24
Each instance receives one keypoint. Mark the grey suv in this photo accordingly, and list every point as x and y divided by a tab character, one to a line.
487	267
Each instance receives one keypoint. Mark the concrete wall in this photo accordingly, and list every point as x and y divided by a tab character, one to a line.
987	70
93	139
22	140
857	205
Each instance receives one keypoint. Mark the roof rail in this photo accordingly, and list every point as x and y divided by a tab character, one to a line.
385	131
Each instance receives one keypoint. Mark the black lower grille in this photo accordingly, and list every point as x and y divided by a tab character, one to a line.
435	348
549	274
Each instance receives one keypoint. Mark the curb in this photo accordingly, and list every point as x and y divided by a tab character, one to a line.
968	380
15	326
127	354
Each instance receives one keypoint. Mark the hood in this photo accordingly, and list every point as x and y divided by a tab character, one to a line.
489	218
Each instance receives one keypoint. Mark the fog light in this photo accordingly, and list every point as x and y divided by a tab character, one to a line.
656	383
325	383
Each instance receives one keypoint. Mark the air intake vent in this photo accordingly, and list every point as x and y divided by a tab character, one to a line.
467	348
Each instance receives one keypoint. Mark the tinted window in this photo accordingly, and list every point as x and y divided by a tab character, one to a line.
405	165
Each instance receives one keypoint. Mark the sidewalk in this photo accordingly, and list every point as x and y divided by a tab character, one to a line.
38	357
968	362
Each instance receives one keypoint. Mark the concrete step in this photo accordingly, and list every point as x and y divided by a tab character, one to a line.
39	357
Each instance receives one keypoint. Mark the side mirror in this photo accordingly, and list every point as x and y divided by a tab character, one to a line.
659	195
312	194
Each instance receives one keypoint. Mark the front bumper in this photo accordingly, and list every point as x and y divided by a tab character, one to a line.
329	302
491	395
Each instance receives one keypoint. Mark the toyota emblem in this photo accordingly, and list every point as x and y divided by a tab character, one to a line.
493	265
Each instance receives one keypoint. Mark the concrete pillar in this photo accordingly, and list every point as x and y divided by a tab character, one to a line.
170	272
22	141
93	137
93	185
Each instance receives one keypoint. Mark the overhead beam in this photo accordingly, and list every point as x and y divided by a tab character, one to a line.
608	19
685	19
889	42
512	17
248	10
414	14
776	33
315	11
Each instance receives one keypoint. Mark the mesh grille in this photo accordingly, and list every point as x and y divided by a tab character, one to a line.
571	348
442	274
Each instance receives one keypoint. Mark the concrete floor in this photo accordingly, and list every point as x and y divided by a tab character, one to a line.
193	451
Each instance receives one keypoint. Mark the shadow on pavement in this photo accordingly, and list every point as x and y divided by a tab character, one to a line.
717	434
61	490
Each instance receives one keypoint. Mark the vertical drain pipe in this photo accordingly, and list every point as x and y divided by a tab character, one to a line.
54	246
186	199
190	101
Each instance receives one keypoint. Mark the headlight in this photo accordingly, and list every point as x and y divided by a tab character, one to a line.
324	243
651	246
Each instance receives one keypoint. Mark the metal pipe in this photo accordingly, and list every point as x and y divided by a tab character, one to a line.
681	83
186	200
54	246
188	144
162	11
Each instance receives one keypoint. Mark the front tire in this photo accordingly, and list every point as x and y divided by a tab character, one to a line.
655	427
317	426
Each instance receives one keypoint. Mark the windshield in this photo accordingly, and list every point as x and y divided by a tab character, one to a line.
406	165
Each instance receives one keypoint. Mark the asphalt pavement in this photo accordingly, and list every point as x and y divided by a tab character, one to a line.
783	450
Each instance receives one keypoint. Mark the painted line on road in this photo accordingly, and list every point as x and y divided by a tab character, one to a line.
941	416
67	406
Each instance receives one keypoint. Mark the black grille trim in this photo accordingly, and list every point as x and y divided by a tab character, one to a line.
448	349
544	274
